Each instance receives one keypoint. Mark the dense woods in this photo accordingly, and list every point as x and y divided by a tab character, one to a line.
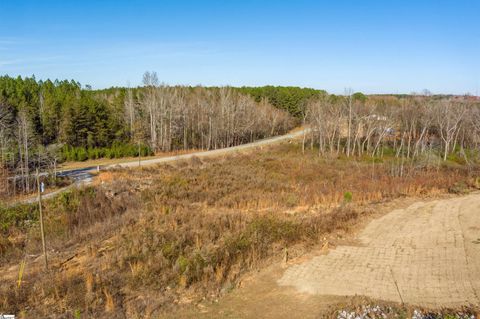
406	127
44	122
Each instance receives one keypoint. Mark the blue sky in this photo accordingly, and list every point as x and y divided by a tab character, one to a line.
369	46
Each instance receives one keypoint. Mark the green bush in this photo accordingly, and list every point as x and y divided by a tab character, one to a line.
347	197
82	154
117	150
17	216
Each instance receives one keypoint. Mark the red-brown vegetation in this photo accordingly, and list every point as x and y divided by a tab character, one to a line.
146	240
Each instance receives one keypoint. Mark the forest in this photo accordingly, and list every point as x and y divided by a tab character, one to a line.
408	127
43	123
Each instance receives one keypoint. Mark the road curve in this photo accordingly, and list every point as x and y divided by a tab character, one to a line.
84	176
211	153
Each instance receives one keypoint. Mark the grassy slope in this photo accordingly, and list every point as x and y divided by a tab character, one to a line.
175	234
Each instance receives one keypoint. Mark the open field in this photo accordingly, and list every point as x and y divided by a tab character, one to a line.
434	267
82	173
147	242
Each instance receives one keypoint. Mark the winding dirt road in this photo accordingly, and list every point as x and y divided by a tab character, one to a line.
84	176
212	153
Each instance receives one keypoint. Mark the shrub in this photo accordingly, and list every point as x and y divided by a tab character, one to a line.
17	216
117	150
347	197
459	188
81	154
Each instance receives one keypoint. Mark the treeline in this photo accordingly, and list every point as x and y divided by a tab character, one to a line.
45	122
197	117
405	127
289	98
117	150
60	112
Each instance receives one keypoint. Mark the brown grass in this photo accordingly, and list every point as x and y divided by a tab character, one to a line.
283	178
149	239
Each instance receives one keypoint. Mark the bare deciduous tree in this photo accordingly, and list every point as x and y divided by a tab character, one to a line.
210	118
409	125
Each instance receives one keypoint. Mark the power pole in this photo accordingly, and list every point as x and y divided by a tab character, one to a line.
39	188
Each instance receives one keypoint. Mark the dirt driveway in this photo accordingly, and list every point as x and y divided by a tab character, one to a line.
427	254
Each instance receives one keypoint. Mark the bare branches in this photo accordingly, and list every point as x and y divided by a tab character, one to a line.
183	117
409	126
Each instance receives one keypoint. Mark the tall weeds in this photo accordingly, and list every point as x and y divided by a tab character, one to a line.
193	228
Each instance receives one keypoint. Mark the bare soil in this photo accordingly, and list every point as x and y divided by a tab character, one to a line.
422	253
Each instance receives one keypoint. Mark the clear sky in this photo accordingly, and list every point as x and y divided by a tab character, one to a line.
388	46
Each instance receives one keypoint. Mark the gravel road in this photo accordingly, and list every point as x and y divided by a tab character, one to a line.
211	153
84	176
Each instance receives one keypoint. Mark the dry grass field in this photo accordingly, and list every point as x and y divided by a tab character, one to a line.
141	242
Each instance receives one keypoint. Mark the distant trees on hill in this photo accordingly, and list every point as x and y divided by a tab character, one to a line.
289	98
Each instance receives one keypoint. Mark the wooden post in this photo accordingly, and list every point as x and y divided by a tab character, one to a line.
285	255
41	220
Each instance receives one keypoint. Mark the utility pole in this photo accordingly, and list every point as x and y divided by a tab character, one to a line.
40	189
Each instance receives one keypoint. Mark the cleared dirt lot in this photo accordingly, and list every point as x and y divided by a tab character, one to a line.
427	254
429	249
